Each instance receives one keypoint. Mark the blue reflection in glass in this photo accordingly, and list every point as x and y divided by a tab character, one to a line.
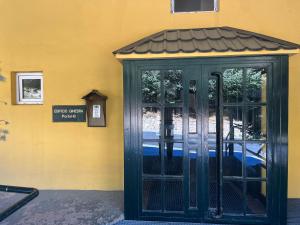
232	159
256	154
151	158
173	155
151	149
151	123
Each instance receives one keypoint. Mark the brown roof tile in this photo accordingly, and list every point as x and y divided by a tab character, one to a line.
219	39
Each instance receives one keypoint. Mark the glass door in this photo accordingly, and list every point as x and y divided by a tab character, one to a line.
206	140
236	139
170	141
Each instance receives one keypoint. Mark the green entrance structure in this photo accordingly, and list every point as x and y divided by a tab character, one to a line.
206	126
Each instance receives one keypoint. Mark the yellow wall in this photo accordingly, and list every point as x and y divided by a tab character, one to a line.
71	41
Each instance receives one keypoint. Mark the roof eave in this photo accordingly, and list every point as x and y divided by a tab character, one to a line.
205	54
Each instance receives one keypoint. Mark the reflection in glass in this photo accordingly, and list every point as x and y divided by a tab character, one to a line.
232	159
233	85
151	86
212	148
31	89
151	123
233	197
213	197
173	86
256	123
256	155
256	84
173	156
151	158
212	125
173	123
212	103
212	91
212	162
152	197
233	123
192	108
193	177
193	5
212	141
174	195
256	197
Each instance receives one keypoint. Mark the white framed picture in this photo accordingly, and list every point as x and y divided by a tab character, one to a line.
29	87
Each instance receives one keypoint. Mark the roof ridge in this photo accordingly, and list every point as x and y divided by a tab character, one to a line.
195	28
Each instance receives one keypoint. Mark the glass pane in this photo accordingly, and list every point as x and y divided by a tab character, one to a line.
173	158
233	85
256	197
31	89
173	123
256	85
174	195
233	197
212	163
256	123
212	127
233	123
207	5
256	155
151	123
192	107
212	103
232	159
173	86
212	194
151	86
193	5
187	5
193	177
151	158
152	195
212	141
212	91
212	148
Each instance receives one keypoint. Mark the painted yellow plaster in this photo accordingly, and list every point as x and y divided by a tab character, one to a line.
71	42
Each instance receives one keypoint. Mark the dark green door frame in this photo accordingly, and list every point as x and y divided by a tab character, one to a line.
278	133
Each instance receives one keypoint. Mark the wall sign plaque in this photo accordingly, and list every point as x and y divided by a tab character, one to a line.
69	113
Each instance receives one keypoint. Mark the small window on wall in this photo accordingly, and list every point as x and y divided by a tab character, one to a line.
29	88
182	6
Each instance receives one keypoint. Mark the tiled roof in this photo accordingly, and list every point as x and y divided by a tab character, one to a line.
93	93
218	39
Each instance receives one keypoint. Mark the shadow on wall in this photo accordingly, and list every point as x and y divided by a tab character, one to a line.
3	123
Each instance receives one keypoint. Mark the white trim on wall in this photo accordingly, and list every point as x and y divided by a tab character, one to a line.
20	77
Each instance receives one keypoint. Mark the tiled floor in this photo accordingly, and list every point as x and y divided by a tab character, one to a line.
68	208
87	208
